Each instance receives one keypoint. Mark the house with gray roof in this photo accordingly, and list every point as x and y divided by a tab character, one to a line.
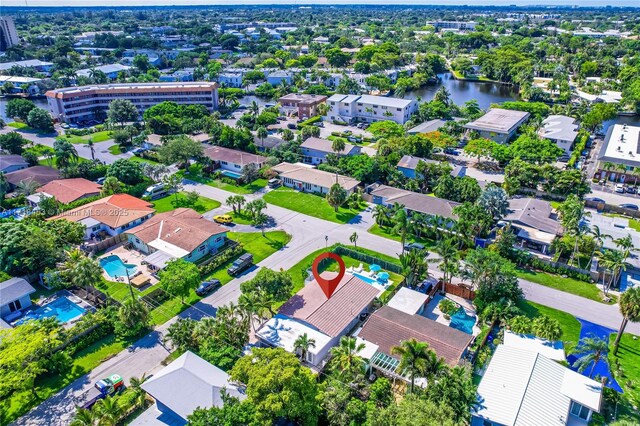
12	163
427	127
412	201
408	164
187	383
306	178
111	70
561	130
499	124
524	387
14	298
315	150
534	222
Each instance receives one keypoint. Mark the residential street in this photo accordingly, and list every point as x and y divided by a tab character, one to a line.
308	234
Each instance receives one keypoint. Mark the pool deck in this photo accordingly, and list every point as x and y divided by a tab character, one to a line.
62	293
434	313
132	257
381	288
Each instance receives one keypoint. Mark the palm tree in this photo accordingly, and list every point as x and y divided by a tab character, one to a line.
345	356
338	146
93	150
354	239
254	108
81	270
109	411
630	309
251	305
401	221
380	214
614	261
414	266
135	386
447	249
262	134
413	357
303	343
599	239
84	417
592	350
27	187
443	95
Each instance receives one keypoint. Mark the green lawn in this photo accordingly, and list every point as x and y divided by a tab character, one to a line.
84	361
568	285
175	201
385	232
628	375
115	149
137	159
569	324
240	218
101	136
19	125
52	162
261	247
633	223
249	188
309	204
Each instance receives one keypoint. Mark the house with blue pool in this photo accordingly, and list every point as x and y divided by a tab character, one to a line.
178	234
15	297
109	216
230	162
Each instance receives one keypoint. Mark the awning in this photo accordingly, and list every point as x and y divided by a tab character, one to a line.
158	259
531	234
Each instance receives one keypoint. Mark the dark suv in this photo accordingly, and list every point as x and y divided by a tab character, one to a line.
207	287
240	264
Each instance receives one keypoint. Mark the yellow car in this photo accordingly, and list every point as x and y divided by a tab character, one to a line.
224	218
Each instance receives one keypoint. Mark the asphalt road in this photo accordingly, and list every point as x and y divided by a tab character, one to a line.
308	235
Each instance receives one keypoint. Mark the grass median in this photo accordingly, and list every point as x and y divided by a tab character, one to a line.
310	204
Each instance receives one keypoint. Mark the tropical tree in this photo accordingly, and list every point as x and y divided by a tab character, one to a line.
494	199
122	111
27	187
414	357
84	417
614	261
354	239
65	153
81	270
380	215
338	145
414	266
252	305
109	411
401	223
629	305
179	277
345	357
337	196
547	328
447	249
599	238
236	202
262	134
591	350
133	317
303	343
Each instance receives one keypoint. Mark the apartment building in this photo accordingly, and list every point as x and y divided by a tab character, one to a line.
8	33
368	108
73	104
304	105
453	25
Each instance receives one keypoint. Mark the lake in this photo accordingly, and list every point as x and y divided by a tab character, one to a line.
40	102
461	91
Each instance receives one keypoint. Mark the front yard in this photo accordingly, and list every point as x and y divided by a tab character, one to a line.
101	136
568	323
180	199
195	174
568	285
626	370
310	204
386	232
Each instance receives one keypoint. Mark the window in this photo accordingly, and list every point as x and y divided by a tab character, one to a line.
15	306
310	357
579	410
202	247
237	166
224	162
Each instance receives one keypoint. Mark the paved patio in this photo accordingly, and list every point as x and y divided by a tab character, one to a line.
433	312
132	257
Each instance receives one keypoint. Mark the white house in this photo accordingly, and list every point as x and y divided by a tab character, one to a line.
350	108
15	297
315	150
305	178
231	161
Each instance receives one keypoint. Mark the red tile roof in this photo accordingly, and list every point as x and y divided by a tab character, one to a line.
184	228
331	316
388	327
114	210
68	190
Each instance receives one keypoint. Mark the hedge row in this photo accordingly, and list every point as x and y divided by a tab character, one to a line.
221	259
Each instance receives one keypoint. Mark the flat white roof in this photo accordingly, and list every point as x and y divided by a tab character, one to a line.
499	120
282	331
408	301
170	249
156	85
552	350
622	145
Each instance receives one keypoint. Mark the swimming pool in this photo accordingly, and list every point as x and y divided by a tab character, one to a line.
463	322
365	278
115	267
62	308
231	174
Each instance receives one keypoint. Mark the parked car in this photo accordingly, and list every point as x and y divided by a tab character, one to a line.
620	188
223	218
207	287
274	183
451	151
629	206
631	190
596	200
413	246
240	264
156	191
139	151
292	126
318	124
101	180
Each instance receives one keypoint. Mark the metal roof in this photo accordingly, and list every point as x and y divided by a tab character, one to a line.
13	289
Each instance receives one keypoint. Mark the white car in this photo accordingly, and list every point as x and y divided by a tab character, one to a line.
620	188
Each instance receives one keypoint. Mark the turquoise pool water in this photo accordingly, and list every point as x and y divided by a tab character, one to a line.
62	308
463	322
115	267
231	174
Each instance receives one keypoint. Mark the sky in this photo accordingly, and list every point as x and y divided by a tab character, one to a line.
32	3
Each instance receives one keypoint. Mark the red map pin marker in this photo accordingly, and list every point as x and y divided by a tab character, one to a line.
328	286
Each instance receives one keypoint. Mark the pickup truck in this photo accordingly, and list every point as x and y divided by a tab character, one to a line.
106	387
240	264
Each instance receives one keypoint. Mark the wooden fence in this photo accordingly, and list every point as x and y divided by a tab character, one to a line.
104	244
460	291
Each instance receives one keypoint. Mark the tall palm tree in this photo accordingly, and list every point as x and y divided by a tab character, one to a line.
262	134
338	146
354	239
135	386
614	261
629	305
27	187
592	350
447	249
92	149
599	237
254	108
252	306
81	270
414	266
380	215
401	221
303	343
413	358
346	358
109	411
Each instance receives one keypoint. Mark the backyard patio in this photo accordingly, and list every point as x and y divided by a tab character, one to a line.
140	273
465	317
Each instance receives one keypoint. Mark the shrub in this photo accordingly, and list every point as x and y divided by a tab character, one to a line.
447	307
221	259
310	121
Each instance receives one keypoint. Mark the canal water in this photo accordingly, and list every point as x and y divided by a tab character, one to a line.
40	102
